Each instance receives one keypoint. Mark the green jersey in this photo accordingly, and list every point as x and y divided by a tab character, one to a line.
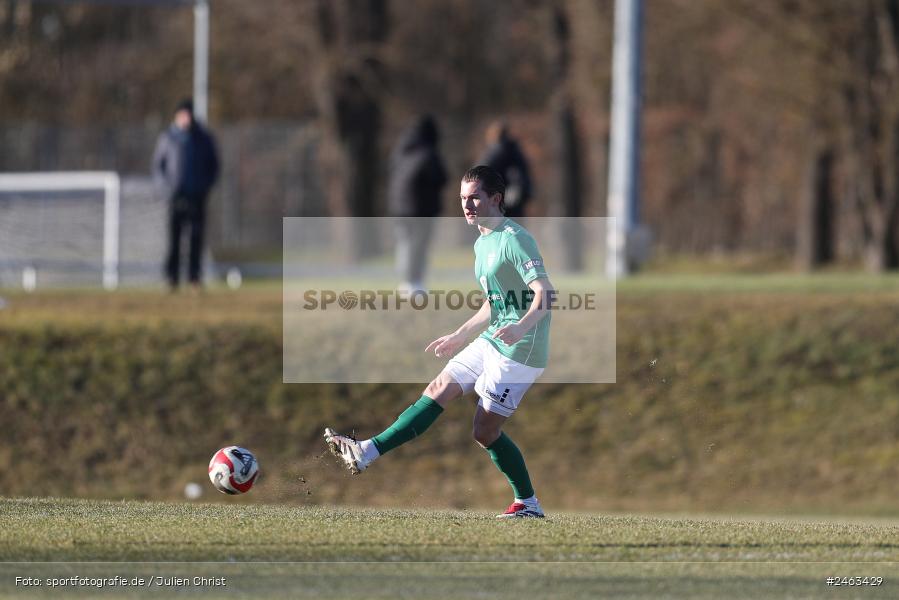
506	261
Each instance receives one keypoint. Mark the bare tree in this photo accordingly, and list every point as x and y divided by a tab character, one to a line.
871	136
570	185
350	86
815	235
850	50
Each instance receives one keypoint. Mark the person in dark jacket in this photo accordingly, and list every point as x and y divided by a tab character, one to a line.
417	178
504	154
185	167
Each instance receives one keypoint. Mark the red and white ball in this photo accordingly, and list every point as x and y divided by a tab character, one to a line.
233	470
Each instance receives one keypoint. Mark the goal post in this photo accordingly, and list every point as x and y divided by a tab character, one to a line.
107	182
86	228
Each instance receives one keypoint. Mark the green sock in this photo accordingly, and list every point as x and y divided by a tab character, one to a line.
414	421
508	459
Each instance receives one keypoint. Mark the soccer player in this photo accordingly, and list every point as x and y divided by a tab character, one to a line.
500	364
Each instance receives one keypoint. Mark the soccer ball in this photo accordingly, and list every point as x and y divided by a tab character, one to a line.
233	470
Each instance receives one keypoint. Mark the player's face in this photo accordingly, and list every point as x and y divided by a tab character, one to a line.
183	119
476	204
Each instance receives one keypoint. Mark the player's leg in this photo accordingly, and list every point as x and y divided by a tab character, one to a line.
411	423
197	229
416	419
403	230
173	260
420	240
487	431
501	387
456	379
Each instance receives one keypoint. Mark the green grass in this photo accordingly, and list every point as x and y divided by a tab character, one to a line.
444	554
52	529
753	394
779	282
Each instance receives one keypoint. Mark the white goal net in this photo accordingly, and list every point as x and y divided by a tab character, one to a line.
80	228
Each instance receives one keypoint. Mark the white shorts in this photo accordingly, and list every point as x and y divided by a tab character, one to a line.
498	380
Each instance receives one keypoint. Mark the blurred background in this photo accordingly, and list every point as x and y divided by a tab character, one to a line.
753	114
768	147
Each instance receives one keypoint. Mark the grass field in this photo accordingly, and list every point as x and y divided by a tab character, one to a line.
733	396
437	554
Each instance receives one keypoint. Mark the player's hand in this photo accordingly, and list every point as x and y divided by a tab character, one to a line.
509	334
446	345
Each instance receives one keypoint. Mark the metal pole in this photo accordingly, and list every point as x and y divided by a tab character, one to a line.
624	151
111	230
201	59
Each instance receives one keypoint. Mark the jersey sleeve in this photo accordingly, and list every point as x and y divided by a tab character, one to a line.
523	254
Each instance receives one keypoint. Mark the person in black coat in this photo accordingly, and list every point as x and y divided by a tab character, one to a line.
504	154
185	167
417	179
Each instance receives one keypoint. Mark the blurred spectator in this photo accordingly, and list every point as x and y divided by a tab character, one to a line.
417	177
185	167
504	154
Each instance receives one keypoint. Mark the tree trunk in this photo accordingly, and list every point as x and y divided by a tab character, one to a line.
816	212
350	36
880	252
570	186
359	128
871	130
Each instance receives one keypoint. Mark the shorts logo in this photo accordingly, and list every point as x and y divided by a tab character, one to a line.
534	262
497	397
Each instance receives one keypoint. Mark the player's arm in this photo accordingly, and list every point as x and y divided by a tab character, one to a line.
543	292
477	322
160	161
448	345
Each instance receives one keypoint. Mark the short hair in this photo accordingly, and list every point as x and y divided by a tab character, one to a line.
186	104
491	182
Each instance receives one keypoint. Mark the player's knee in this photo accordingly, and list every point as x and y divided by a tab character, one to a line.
435	389
484	435
442	389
